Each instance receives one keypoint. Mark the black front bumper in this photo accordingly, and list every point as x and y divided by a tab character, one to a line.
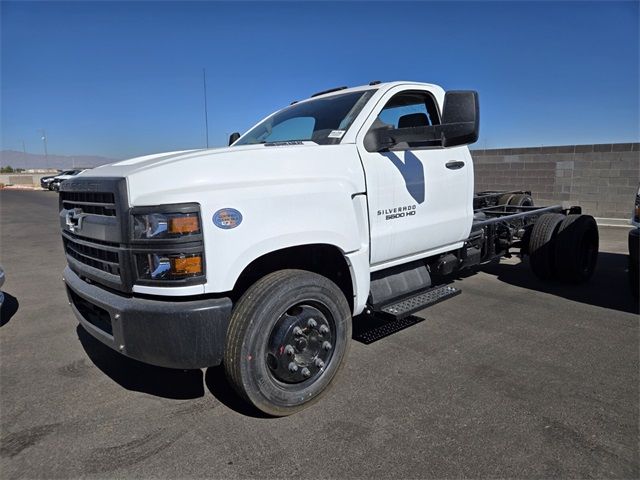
169	333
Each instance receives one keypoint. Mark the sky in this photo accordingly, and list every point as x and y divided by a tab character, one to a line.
122	79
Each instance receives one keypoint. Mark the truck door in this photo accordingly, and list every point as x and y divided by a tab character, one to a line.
420	195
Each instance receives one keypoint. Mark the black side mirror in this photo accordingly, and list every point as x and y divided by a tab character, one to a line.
460	118
233	137
460	126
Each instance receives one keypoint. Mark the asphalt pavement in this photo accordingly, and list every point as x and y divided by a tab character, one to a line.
512	378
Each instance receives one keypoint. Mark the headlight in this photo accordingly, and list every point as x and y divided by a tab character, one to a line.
165	225
161	266
168	245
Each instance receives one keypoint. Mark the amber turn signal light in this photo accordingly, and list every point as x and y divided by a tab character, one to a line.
186	265
183	225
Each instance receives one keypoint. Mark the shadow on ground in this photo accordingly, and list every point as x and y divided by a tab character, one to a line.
163	382
608	288
141	377
217	383
9	308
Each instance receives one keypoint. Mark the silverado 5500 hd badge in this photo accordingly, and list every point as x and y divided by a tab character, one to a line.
398	212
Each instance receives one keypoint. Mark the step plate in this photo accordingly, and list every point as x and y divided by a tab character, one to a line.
383	328
422	300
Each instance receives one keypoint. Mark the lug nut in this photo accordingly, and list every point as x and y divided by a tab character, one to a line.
324	329
293	368
312	323
306	373
327	346
319	363
289	350
297	331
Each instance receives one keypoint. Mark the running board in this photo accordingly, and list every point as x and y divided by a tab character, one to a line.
373	328
397	316
419	301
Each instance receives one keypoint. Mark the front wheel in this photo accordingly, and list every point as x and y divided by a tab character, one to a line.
287	338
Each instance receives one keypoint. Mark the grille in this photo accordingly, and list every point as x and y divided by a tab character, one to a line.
96	316
93	255
96	203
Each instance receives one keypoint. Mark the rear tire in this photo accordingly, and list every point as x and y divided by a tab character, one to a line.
521	200
542	254
287	339
505	199
577	248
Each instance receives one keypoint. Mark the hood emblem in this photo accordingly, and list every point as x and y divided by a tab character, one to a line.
74	219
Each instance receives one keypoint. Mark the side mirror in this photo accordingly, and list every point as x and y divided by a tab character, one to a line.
460	118
233	137
460	126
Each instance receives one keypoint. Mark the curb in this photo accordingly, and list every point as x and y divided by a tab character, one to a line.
613	222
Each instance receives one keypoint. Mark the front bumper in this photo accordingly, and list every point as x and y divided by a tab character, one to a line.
168	333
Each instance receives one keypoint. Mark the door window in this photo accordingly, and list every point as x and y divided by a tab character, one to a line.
409	109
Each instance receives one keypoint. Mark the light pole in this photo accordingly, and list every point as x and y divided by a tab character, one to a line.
44	140
24	155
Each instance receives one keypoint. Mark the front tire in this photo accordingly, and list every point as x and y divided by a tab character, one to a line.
287	339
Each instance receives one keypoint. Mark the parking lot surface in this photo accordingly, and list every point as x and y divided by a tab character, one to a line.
513	378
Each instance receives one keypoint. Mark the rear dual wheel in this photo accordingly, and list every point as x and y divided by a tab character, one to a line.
287	339
516	200
564	247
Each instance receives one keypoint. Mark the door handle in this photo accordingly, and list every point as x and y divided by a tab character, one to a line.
454	165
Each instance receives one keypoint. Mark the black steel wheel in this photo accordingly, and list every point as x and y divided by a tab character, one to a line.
286	341
577	248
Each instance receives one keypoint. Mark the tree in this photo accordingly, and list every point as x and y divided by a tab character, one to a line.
7	169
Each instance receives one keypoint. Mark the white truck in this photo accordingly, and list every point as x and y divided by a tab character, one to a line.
354	202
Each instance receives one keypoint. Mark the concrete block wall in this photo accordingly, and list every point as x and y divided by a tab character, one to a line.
603	178
24	179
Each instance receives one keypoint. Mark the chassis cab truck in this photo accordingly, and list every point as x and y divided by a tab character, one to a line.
259	255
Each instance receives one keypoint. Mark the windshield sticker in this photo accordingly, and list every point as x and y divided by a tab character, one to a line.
336	134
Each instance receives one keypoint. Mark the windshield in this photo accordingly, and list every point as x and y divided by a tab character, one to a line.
323	120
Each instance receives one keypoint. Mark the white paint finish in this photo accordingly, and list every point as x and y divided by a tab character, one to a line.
415	178
306	194
287	195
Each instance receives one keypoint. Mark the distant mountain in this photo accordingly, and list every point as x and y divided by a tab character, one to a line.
33	160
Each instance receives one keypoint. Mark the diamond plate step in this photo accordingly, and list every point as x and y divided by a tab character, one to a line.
421	300
382	328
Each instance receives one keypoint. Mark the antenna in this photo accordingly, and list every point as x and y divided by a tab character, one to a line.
206	115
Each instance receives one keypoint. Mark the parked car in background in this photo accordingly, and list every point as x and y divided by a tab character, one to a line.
634	246
66	175
46	181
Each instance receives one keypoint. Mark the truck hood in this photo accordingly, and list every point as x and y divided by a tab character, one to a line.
137	164
176	176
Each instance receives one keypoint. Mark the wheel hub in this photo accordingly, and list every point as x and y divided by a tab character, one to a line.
300	344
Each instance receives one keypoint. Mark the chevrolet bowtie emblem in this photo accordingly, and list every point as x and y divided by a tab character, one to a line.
74	219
